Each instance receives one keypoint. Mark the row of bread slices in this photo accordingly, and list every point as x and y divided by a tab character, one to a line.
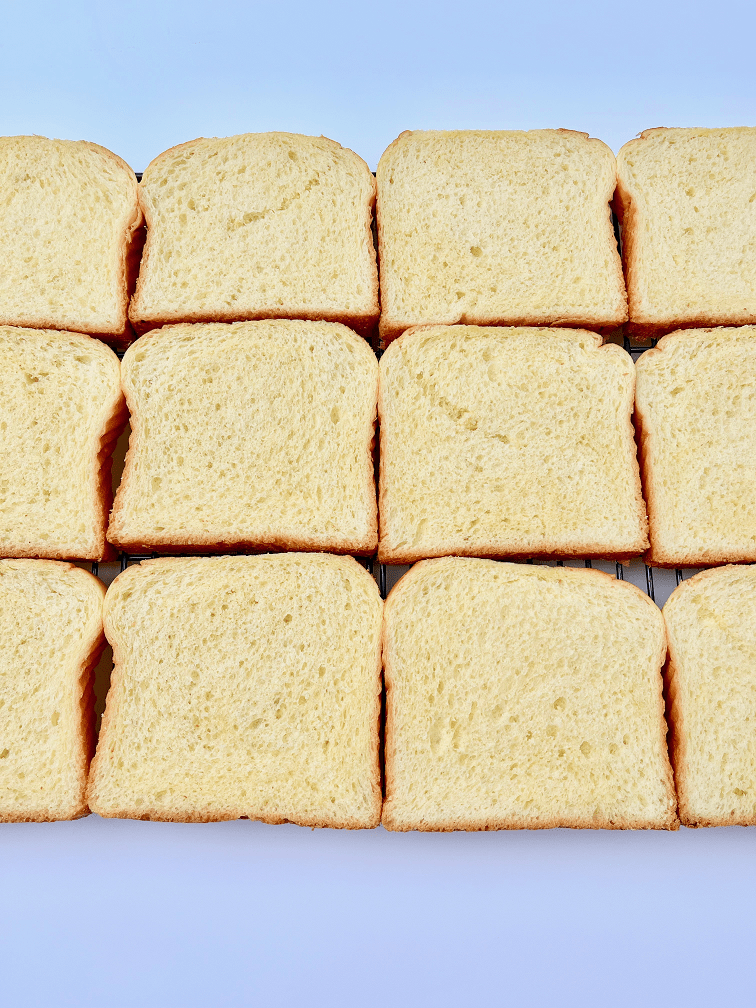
517	696
483	227
494	441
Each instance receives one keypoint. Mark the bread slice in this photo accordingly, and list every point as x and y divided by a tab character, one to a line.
686	199
507	442
523	697
70	236
243	687
51	628
263	225
61	410
711	686
498	228
249	436
696	414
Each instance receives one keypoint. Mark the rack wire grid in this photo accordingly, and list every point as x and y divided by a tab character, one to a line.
657	583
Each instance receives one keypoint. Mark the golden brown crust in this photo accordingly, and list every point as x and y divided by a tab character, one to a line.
513	549
364	324
112	710
91	650
512	822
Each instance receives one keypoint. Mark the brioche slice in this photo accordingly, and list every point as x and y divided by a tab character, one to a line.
243	687
686	200
498	228
507	442
696	413
51	632
711	685
263	225
61	410
70	236
247	436
523	697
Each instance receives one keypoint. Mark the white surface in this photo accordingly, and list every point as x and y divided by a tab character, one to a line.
130	914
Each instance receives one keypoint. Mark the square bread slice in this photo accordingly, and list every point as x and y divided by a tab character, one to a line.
256	435
711	687
243	687
523	697
686	200
61	411
507	442
70	236
498	228
696	415
51	633
262	225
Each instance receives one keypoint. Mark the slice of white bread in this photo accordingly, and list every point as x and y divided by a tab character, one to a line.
507	442
243	686
696	415
70	236
711	688
686	200
262	225
51	632
498	228
248	436
523	697
61	410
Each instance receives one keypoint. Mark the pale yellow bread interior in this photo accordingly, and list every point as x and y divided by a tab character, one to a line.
51	629
523	697
261	225
507	442
251	435
243	686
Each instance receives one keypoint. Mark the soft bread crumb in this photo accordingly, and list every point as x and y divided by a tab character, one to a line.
507	442
261	225
51	628
696	409
523	697
687	199
712	692
497	228
61	409
68	226
249	435
243	686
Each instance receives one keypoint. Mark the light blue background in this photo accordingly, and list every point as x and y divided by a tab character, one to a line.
100	914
